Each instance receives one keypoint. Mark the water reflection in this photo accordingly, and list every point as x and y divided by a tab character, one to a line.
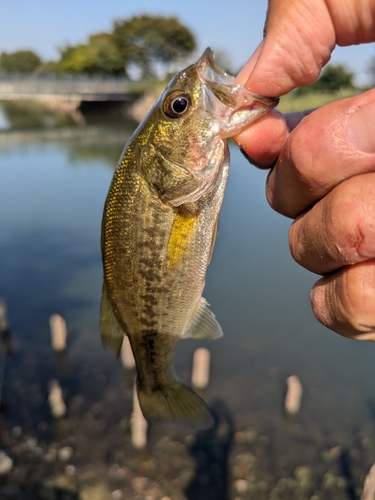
52	193
7	343
31	115
5	330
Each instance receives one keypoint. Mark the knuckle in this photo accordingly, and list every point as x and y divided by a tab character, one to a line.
351	223
344	301
355	292
336	231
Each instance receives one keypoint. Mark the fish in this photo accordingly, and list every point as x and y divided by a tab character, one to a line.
159	228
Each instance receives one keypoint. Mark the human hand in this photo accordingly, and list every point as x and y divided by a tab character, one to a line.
324	165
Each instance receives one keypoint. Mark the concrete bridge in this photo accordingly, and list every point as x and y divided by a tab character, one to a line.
68	93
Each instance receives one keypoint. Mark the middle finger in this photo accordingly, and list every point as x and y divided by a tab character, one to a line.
339	230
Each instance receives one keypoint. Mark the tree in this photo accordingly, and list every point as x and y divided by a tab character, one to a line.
99	55
22	61
145	40
334	77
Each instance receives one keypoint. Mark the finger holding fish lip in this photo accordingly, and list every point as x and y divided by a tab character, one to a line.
261	143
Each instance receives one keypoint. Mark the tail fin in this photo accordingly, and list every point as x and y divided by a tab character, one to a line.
175	402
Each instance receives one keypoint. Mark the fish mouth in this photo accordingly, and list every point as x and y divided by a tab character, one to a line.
229	101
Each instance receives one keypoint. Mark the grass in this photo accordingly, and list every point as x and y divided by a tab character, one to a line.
291	102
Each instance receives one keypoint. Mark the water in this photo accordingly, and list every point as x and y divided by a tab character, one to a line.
52	191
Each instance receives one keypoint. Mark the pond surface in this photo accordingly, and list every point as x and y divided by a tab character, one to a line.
53	186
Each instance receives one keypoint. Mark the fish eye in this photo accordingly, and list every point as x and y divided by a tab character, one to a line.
176	104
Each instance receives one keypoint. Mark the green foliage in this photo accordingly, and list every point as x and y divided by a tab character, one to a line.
293	102
145	40
371	70
335	77
22	61
99	55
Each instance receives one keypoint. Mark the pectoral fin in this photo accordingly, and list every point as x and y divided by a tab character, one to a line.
112	333
204	324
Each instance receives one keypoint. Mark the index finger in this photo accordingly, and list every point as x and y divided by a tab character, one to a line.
263	140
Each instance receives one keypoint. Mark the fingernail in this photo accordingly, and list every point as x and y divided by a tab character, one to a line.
248	158
361	128
265	164
252	160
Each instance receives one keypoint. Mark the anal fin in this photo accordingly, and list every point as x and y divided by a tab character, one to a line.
112	333
204	324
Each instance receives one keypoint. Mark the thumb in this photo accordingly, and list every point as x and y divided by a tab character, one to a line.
299	38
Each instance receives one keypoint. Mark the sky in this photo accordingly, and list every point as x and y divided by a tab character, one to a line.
231	26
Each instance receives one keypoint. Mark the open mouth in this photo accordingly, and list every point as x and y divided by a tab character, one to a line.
232	105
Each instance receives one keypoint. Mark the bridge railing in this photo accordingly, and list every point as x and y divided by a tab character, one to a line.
67	84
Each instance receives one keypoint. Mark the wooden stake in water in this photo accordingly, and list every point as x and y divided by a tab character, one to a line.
55	399
127	357
201	368
293	395
4	333
138	424
369	485
58	332
6	463
4	324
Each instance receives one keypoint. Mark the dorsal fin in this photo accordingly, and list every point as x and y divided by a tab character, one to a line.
204	324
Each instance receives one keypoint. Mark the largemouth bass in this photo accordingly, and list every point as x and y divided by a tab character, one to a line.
159	228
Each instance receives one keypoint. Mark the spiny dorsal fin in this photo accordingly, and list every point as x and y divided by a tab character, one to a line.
112	333
204	324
